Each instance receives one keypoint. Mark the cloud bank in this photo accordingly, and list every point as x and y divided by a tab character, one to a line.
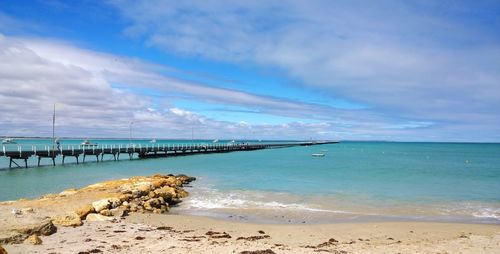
35	74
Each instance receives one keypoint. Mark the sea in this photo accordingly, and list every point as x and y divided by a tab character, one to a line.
353	182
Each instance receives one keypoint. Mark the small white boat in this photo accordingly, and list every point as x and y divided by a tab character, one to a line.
215	141
152	141
318	155
86	142
8	141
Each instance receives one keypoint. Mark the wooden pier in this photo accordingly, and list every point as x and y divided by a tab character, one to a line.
142	151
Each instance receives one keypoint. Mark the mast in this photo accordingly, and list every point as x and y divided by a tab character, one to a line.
54	130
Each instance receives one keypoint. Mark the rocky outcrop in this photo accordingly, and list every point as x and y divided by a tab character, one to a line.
140	194
45	227
83	211
19	234
102	201
100	205
68	220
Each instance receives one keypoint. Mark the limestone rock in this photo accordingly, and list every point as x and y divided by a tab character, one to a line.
84	210
118	212
98	217
182	193
144	187
106	212
151	204
158	183
45	227
2	250
185	178
19	234
126	197
162	200
126	188
101	205
144	198
12	238
27	210
172	182
69	220
33	239
114	203
152	194
136	193
166	192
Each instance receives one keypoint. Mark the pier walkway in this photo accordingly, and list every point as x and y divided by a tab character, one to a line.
142	151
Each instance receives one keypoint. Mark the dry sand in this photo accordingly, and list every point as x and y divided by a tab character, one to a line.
154	233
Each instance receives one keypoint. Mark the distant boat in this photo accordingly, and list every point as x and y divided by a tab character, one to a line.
215	141
324	150
86	142
8	141
152	141
318	155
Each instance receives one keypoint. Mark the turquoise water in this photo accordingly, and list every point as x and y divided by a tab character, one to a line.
355	181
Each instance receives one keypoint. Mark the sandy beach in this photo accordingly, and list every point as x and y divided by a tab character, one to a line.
154	233
149	230
249	127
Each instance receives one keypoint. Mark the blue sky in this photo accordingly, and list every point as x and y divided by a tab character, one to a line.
361	70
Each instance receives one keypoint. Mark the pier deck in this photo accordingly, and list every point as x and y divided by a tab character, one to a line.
142	151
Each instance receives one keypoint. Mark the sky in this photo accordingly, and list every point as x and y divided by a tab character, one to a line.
324	70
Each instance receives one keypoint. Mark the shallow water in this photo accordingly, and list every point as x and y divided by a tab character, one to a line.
355	181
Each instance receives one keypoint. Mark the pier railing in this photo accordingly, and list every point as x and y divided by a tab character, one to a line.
24	152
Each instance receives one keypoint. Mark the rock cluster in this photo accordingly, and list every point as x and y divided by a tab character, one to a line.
141	194
44	227
105	201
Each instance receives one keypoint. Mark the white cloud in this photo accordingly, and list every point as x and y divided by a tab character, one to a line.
35	74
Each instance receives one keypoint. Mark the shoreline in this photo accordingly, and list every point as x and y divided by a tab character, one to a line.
49	225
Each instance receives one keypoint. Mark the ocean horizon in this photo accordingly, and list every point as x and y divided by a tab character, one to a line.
354	182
